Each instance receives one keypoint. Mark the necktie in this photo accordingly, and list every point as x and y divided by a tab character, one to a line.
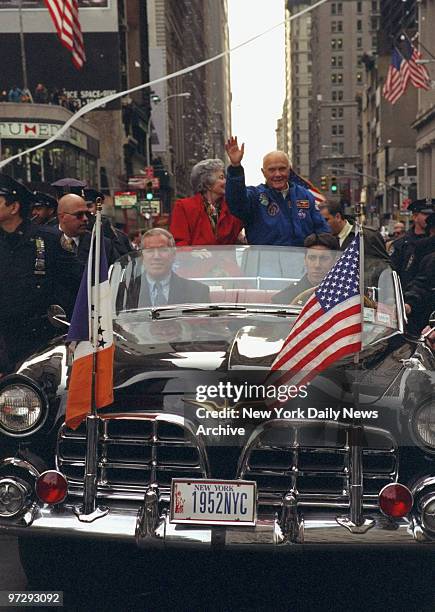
159	295
68	244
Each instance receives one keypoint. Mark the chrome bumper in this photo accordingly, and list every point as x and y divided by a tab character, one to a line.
320	528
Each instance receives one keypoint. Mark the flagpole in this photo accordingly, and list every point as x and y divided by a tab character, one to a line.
23	48
90	511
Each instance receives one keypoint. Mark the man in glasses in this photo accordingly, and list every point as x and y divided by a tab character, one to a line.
73	215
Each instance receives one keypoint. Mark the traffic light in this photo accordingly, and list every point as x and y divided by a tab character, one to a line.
324	183
149	192
334	186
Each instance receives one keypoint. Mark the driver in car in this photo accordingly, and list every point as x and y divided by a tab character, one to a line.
319	259
160	285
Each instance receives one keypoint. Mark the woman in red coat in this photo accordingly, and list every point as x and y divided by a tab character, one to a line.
204	218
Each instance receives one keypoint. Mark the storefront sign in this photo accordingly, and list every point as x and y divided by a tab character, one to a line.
41	131
125	199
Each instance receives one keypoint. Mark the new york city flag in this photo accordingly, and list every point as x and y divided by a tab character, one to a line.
93	299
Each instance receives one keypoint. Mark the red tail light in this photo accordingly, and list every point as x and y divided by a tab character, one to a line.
51	487
395	500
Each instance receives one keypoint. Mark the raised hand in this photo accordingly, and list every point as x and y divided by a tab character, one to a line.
234	152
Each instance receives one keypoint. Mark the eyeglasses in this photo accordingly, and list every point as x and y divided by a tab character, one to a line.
80	214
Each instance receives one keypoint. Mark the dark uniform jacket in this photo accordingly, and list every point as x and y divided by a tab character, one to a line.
84	246
289	293
420	294
35	272
376	258
403	256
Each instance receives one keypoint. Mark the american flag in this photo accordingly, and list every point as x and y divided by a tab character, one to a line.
417	74
65	16
329	325
298	180
397	78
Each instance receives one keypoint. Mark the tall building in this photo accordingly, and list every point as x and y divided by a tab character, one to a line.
341	33
116	45
424	123
191	116
297	107
389	159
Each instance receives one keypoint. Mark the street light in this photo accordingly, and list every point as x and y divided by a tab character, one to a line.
157	100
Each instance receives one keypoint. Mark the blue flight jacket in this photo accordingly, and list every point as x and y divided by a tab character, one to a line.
268	217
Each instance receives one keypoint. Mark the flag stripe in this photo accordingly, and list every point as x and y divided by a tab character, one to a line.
328	327
65	16
316	334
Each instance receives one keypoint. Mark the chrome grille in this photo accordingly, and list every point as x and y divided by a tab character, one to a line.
313	458
133	452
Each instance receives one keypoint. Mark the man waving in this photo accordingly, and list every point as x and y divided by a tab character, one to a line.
277	212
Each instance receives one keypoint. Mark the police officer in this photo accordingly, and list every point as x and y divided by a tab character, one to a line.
34	273
404	255
276	213
44	210
420	294
120	241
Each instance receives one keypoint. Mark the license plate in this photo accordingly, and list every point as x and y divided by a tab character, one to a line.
213	502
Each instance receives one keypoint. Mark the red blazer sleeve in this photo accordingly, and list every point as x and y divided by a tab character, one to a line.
179	226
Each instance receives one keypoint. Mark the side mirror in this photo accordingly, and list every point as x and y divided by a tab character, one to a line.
57	317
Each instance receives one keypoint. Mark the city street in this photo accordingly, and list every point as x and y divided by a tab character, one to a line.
398	580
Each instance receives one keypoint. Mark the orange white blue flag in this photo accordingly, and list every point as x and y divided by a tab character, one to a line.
94	340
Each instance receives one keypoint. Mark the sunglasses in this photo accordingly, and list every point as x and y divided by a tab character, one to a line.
80	214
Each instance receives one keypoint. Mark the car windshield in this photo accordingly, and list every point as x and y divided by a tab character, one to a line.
248	278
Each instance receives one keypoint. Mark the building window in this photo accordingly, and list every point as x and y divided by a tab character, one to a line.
359	7
333	26
339	26
341	130
333	78
333	113
359	25
334	130
359	77
359	62
374	23
375	41
359	42
340	112
333	8
339	8
333	61
374	5
337	96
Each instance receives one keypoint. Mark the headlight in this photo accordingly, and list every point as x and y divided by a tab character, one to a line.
21	409
423	424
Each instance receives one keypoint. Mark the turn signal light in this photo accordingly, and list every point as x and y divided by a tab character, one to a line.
395	500
51	487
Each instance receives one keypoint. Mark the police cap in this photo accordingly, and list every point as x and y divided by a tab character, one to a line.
44	199
16	192
91	195
424	205
69	185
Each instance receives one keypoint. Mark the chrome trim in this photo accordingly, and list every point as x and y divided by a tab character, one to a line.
429	499
147	522
91	465
346	473
23	490
135	491
320	529
292	526
20	463
422	484
402	319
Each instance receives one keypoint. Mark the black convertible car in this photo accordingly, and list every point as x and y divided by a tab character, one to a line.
199	449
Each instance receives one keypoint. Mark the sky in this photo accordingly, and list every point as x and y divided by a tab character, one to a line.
257	78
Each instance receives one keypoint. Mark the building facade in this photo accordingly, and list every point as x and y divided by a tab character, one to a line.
425	120
191	116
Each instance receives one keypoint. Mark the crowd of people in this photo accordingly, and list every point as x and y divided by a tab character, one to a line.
45	243
40	95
